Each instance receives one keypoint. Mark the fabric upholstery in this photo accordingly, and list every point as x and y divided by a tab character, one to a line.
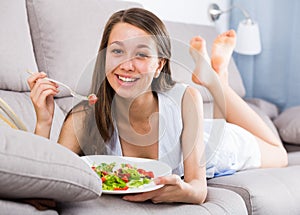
21	104
16	51
34	167
288	124
266	191
19	208
219	201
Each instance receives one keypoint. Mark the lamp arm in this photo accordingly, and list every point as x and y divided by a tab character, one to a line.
215	12
244	11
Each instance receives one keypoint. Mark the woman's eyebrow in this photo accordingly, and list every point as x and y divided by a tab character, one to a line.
143	46
139	46
116	42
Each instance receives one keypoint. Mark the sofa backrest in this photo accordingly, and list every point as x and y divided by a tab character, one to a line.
16	51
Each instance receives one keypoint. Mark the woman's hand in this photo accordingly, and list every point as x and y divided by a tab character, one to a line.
41	95
175	190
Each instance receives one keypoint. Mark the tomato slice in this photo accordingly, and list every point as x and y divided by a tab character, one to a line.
149	174
141	171
121	188
92	98
125	178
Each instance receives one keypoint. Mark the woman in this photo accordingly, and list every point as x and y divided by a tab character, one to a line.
142	112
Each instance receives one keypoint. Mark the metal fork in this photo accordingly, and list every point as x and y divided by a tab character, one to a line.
72	92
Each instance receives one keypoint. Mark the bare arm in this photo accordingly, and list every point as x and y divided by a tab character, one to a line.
68	136
193	146
41	95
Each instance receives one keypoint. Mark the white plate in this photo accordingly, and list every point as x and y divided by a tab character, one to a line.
157	167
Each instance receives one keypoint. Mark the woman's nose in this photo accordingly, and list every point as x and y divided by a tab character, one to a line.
127	64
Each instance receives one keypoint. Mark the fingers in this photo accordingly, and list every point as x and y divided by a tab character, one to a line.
168	180
140	197
41	88
171	192
33	78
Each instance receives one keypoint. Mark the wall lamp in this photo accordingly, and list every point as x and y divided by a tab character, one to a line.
248	36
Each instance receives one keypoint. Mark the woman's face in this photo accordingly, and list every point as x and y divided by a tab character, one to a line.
131	60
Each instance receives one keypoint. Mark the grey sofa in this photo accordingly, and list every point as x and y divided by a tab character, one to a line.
61	38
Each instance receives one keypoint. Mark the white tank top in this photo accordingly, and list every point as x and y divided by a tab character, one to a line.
170	129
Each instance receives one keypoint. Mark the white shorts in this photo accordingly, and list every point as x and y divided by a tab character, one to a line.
229	148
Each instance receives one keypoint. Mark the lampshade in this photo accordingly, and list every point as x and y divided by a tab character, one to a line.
248	38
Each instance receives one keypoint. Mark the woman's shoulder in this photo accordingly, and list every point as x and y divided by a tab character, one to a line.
192	95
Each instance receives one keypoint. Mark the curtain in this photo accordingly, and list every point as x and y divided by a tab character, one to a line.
274	74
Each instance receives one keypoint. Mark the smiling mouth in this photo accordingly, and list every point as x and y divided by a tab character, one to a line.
126	79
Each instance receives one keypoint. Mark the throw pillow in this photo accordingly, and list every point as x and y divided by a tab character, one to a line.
288	125
35	167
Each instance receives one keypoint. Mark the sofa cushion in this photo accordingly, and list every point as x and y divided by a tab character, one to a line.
34	167
16	51
288	125
18	208
219	201
182	63
21	104
66	37
294	158
266	191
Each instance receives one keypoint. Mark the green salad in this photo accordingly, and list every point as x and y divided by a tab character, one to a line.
122	178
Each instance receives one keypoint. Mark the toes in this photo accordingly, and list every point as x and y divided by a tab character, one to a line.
231	33
197	43
226	38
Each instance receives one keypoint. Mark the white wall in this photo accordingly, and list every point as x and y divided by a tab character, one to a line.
187	11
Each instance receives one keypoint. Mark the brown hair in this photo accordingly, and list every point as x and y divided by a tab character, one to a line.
151	24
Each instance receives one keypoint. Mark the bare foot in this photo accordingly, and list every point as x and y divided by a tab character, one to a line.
221	53
202	62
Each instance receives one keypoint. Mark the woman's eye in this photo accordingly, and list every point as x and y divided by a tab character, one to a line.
142	55
117	51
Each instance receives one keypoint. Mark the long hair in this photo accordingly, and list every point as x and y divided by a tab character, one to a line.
151	24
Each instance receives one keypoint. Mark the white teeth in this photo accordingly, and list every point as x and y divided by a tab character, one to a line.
126	79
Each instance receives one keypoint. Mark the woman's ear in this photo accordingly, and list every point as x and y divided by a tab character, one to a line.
161	64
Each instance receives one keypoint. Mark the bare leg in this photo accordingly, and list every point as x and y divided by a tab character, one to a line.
221	53
238	112
202	61
203	74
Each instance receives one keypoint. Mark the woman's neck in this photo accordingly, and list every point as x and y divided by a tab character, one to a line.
137	109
